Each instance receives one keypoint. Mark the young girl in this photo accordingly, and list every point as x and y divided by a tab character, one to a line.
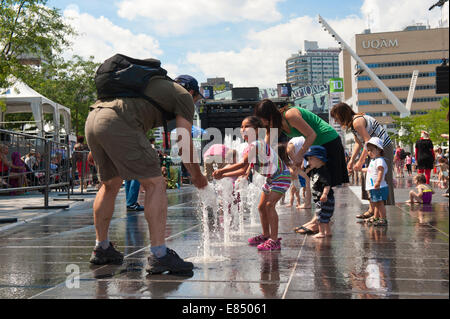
443	172
293	149
425	192
266	162
375	181
409	163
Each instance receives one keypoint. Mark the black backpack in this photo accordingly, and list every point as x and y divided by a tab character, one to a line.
122	76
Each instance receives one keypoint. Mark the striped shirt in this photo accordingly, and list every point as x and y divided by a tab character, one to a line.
375	129
264	159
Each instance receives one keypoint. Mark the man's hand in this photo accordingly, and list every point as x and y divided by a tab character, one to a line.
377	185
217	174
324	198
199	180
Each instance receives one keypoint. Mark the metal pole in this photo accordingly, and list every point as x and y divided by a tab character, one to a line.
47	171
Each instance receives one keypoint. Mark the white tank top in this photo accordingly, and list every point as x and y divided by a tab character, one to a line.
375	129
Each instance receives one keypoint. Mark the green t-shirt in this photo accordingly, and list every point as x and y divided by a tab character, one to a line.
325	132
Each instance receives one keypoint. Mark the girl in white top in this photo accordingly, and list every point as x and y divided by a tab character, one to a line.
375	181
293	148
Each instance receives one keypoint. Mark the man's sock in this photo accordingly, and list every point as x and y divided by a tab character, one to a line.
103	244
159	251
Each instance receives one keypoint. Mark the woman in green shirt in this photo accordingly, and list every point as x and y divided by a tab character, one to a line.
300	122
297	121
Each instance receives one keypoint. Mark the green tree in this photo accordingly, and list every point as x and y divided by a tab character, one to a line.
434	122
29	29
69	83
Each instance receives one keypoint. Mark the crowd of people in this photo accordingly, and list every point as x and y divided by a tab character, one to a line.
17	171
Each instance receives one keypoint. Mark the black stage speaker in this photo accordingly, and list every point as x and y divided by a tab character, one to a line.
245	94
442	79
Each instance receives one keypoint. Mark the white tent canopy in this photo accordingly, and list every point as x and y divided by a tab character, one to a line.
20	98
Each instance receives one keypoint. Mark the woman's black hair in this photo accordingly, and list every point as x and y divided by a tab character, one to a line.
267	110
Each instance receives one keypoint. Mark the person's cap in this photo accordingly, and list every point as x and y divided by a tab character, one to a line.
317	151
424	134
375	141
189	83
32	151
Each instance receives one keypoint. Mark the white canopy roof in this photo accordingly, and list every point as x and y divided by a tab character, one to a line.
20	98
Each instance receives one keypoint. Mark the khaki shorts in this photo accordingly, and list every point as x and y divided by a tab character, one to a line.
118	149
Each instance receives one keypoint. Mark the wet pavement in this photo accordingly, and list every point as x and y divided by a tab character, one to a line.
407	259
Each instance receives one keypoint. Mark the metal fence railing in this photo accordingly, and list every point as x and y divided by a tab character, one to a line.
31	163
82	173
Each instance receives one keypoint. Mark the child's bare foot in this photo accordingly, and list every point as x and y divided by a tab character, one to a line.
288	205
305	206
319	235
298	207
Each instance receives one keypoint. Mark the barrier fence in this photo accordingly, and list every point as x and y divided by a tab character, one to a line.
32	163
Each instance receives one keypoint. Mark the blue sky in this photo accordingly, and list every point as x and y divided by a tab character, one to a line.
245	41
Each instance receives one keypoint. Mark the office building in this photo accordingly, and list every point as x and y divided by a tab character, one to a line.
393	57
314	66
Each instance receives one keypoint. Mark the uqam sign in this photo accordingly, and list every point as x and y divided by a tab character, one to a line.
379	44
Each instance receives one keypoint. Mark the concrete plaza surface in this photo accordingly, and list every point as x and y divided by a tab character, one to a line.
46	255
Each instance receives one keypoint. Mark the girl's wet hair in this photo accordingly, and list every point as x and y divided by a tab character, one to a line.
282	153
254	121
420	179
267	110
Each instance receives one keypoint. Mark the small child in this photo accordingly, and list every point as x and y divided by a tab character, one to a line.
408	162
443	172
321	190
295	186
375	181
425	192
293	148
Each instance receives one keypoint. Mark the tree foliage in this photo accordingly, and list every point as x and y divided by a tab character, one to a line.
29	29
69	83
434	122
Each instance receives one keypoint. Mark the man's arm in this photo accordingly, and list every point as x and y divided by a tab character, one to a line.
191	163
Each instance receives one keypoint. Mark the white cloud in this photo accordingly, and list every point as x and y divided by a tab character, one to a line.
388	15
102	39
177	17
262	60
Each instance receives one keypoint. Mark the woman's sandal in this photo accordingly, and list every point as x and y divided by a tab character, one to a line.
365	215
372	220
304	230
380	222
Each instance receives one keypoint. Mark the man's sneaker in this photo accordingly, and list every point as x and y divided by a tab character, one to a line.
257	240
171	262
102	256
270	244
135	208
